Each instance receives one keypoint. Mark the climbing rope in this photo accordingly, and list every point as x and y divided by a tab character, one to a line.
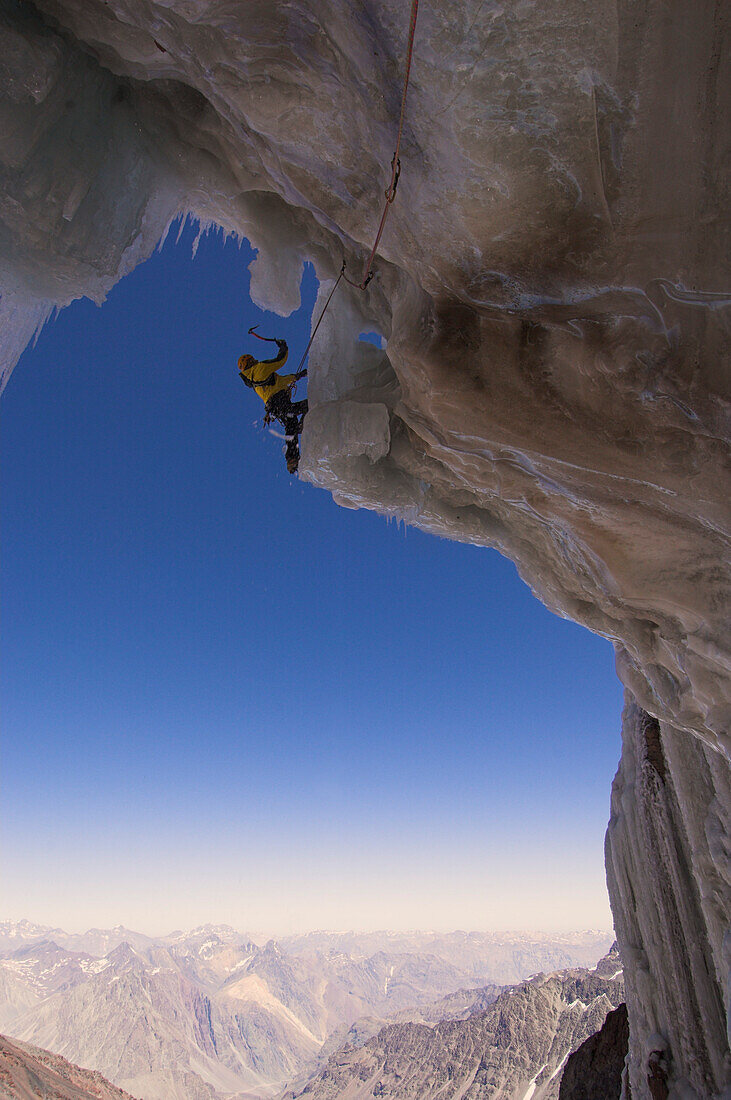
314	331
395	162
390	195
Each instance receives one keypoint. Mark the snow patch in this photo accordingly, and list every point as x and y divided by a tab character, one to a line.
532	1083
94	966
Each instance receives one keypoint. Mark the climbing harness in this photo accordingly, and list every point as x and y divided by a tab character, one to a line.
271	412
264	382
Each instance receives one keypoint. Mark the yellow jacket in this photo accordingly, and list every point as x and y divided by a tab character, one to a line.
254	371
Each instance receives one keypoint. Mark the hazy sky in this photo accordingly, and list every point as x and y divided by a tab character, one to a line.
227	699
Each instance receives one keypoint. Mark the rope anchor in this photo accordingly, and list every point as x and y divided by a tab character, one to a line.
390	192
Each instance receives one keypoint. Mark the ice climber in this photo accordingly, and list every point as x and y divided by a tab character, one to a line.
275	391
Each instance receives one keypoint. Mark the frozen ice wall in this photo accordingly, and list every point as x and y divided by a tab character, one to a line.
84	195
553	291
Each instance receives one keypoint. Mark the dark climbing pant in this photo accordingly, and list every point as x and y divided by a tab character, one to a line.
290	415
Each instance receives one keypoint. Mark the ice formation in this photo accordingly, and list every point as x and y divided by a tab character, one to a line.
550	289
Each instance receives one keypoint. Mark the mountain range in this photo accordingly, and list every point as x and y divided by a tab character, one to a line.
211	1013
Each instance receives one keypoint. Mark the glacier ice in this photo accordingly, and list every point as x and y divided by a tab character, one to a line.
550	286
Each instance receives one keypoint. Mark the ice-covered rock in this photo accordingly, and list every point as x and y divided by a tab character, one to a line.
669	875
550	286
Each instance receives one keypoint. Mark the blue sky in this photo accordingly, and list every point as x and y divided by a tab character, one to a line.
227	699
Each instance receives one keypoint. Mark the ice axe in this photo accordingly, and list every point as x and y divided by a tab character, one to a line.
267	339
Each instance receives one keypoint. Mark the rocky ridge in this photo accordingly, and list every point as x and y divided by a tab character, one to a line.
456	1006
517	1047
28	1073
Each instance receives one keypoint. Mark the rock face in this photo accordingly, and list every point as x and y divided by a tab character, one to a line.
515	1048
667	870
594	1071
551	290
27	1073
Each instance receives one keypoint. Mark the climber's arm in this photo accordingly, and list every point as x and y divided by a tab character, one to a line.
280	358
